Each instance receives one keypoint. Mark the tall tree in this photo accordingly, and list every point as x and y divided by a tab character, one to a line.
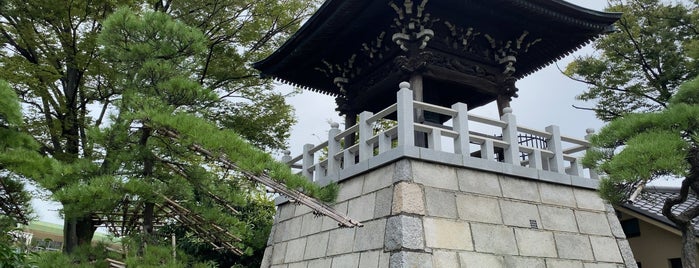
651	146
14	200
69	89
49	50
640	66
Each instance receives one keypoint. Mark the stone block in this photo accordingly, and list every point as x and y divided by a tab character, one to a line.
614	223
294	250
519	189
341	241
272	231
559	263
404	232
479	182
384	259
267	257
557	194
626	252
555	177
441	233
520	171
316	246
369	259
478	209
486	165
445	158
329	223
320	263
440	203
378	179
599	265
494	239
558	219
280	266
382	205
535	243
350	188
437	176
292	229
404	259
278	253
583	182
301	210
573	246
445	259
279	231
477	260
588	199
408	198
517	261
362	208
371	236
519	214
286	211
302	264
311	224
403	171
346	261
593	223
605	249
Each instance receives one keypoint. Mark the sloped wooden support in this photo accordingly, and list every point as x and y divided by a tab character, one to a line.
197	223
317	206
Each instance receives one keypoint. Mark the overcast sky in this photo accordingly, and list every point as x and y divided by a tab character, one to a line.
545	98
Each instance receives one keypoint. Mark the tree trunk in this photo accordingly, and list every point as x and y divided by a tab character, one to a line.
689	246
77	232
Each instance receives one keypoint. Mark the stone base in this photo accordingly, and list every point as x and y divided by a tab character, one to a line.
420	214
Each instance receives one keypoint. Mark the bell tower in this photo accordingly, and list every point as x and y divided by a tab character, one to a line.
431	194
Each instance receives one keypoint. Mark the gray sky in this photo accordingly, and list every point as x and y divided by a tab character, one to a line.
545	98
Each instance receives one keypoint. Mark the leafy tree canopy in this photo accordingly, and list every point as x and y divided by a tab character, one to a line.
99	79
640	66
640	147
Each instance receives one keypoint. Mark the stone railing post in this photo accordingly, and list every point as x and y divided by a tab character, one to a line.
366	150
406	121
509	135
487	150
434	140
287	157
307	161
554	145
535	160
460	121
593	173
333	148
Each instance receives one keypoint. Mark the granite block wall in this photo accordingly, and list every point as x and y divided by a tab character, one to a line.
422	214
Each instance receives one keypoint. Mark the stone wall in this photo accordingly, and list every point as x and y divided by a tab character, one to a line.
421	214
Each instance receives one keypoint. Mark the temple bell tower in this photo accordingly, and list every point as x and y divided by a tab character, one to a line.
489	201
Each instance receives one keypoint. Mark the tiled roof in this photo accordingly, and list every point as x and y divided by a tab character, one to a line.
650	204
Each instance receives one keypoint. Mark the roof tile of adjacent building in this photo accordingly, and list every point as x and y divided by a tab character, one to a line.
650	204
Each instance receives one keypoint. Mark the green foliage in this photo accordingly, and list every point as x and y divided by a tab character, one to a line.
14	200
639	148
147	59
640	66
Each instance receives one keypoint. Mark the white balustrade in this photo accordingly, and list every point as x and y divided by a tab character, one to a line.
560	154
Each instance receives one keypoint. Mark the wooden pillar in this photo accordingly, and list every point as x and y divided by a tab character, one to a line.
503	102
350	120
416	86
